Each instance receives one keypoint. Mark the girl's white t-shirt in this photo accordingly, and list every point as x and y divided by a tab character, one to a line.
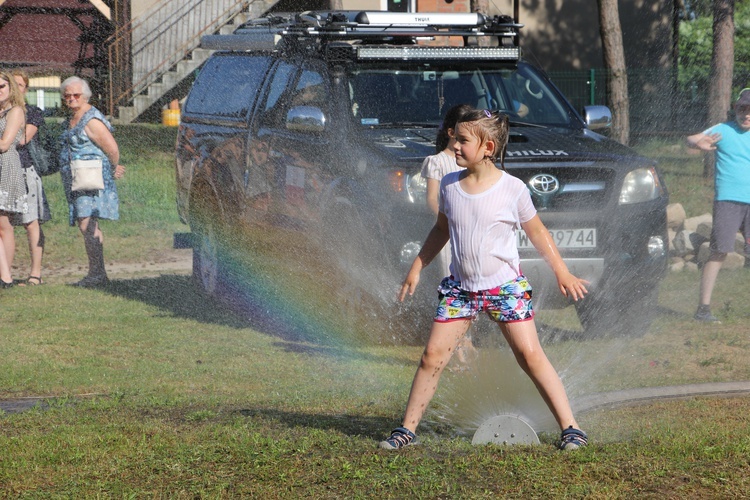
483	230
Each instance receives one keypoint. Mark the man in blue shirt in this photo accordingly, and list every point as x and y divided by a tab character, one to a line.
731	212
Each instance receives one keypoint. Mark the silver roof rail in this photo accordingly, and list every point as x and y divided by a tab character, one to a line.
368	27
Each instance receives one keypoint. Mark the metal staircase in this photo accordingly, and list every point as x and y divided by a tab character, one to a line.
164	50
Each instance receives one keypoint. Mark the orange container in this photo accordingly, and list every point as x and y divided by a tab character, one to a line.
170	117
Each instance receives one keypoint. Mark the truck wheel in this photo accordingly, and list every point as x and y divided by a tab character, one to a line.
206	260
206	248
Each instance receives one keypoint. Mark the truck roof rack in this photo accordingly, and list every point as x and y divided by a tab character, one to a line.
394	34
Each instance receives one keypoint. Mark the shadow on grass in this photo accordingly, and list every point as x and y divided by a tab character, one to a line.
373	427
178	295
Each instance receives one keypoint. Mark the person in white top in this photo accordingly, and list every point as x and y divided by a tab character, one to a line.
434	168
481	208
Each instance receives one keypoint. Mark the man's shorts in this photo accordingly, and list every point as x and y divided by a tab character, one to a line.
728	218
506	303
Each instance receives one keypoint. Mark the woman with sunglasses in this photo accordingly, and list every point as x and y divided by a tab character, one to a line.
88	135
13	198
38	212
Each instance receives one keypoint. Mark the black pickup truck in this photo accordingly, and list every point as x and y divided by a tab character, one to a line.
303	135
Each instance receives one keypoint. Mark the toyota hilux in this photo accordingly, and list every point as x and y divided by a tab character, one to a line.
303	135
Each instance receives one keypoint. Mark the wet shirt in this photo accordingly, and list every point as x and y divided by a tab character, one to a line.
483	230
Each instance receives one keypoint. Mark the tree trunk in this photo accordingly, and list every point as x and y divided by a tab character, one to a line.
722	70
614	61
678	13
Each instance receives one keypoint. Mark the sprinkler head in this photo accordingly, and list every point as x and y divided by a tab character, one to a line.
505	429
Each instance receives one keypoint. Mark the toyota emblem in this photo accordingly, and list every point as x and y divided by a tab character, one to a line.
544	184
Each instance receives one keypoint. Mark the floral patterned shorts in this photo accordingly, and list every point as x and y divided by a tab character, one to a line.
508	302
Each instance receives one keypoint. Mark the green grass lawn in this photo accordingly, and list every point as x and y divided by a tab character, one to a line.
150	389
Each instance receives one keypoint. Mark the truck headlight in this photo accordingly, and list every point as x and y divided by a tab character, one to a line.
640	185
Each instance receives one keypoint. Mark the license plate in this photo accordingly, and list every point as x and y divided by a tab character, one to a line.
563	238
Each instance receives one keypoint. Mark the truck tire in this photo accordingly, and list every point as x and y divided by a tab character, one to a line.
207	266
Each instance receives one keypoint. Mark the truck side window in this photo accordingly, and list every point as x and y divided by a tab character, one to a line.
227	86
274	107
310	90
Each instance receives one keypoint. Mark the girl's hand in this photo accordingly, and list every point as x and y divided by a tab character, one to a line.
571	286
409	284
119	172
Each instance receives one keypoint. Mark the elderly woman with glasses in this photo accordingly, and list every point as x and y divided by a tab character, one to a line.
87	135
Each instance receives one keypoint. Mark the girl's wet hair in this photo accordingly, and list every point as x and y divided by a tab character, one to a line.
489	126
449	121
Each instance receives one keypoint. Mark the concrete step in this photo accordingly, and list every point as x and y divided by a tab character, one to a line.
127	114
200	55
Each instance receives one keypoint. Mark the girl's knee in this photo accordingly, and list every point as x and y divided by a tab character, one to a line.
531	359
434	358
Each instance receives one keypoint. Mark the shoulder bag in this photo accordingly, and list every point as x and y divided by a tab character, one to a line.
87	174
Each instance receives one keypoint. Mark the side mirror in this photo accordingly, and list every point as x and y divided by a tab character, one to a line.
597	117
306	119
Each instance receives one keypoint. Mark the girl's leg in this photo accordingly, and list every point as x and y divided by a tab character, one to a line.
524	341
36	248
8	238
93	239
444	338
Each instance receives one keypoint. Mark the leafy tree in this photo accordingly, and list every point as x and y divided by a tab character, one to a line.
695	51
707	59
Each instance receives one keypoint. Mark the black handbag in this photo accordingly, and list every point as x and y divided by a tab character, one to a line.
44	156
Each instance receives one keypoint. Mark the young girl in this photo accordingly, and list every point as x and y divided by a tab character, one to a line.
480	209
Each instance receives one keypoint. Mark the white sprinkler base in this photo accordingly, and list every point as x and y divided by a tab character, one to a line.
505	429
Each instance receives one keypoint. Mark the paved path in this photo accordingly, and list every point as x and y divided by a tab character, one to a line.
591	402
646	394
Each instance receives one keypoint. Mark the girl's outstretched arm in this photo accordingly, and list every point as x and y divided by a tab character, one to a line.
436	240
570	286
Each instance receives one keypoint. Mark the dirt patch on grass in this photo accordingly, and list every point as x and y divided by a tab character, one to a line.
170	261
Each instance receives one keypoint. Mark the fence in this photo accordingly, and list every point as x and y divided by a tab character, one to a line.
658	105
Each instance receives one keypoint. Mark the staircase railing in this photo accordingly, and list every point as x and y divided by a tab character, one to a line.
161	37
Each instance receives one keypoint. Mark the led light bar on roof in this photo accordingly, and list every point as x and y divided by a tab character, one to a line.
426	52
419	19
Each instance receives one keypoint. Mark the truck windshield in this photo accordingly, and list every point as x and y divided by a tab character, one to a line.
387	96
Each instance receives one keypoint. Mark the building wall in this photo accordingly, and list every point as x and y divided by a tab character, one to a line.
45	43
564	34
